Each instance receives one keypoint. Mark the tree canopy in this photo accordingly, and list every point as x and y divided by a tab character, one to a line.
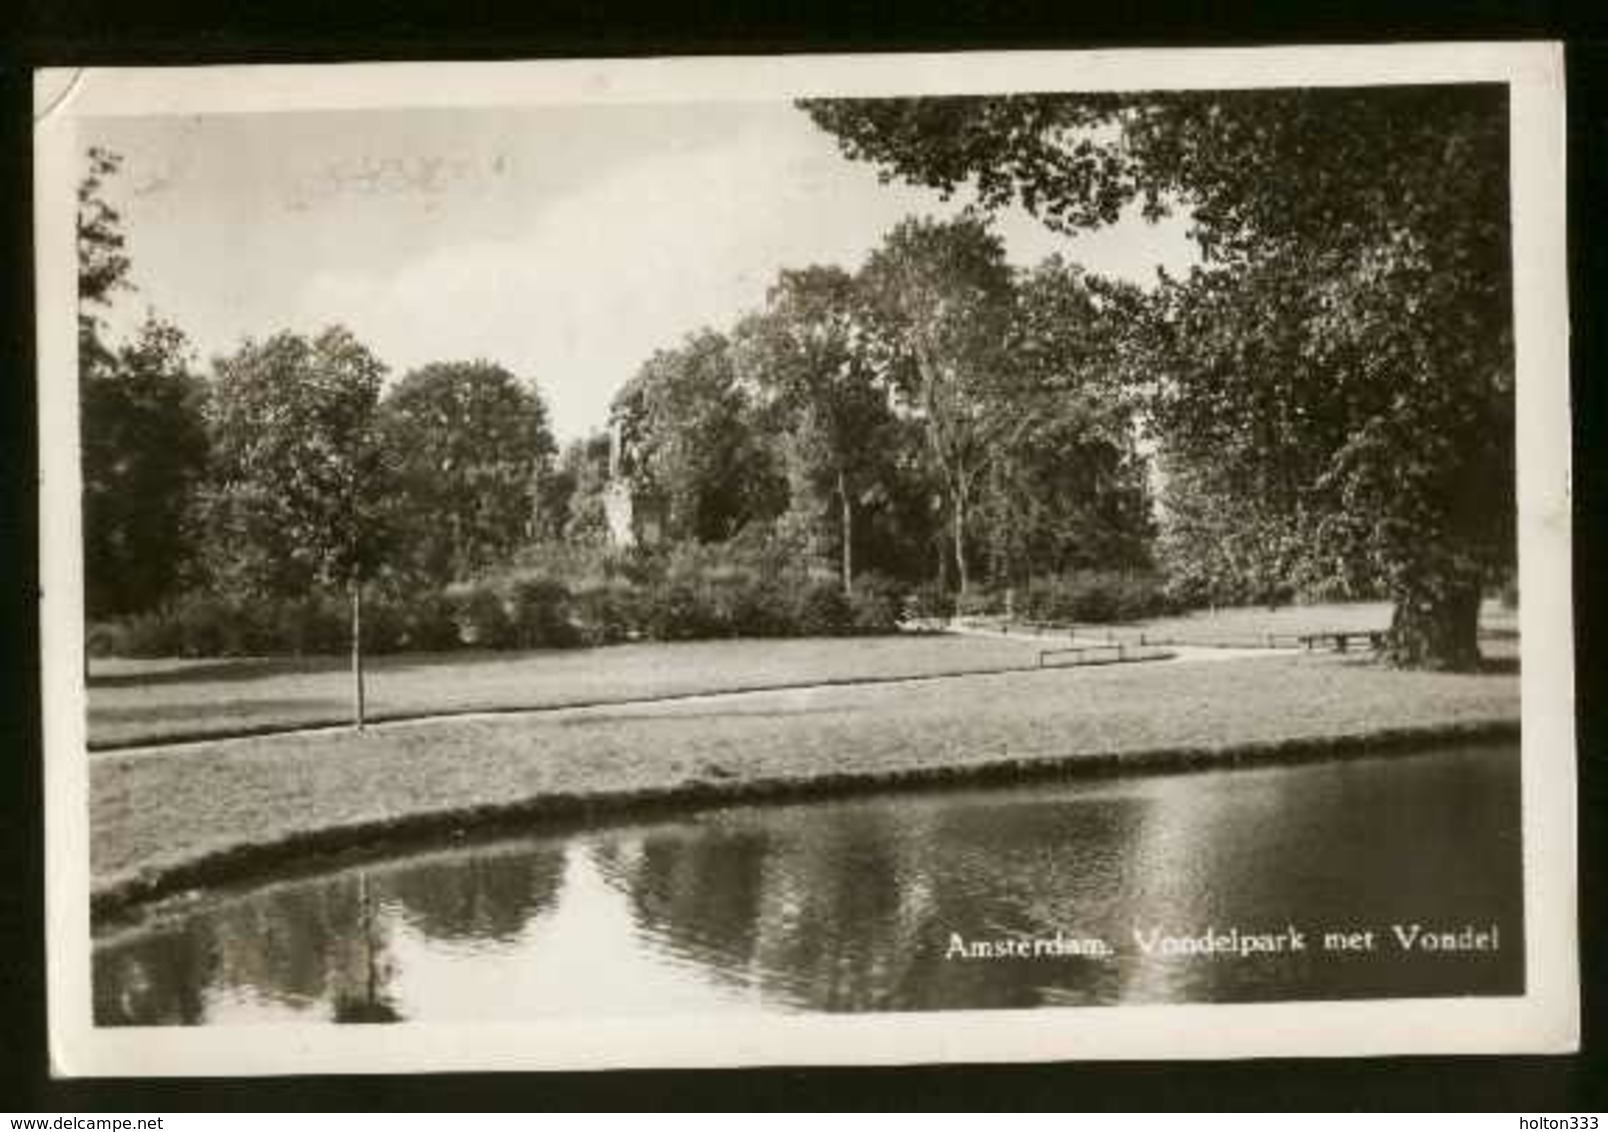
809	354
1343	357
143	440
300	489
686	425
471	445
940	296
144	455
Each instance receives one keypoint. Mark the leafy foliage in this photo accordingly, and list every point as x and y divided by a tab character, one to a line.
686	423
472	450
301	491
810	356
940	295
144	454
103	262
1342	362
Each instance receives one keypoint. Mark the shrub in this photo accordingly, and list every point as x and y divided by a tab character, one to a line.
751	607
877	604
316	624
606	613
480	617
426	622
674	611
105	638
979	602
821	610
384	625
139	635
539	613
210	626
929	601
1094	596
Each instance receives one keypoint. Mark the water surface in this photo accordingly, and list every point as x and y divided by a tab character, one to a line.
878	903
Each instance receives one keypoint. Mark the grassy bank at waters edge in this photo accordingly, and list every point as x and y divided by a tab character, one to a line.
166	819
134	702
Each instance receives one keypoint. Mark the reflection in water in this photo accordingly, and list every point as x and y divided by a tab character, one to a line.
856	905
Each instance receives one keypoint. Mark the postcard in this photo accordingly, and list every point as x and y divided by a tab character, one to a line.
806	560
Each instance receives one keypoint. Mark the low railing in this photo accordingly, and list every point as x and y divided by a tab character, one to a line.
1117	652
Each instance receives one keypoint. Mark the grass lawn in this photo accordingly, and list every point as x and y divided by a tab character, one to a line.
153	812
1248	624
148	701
152	701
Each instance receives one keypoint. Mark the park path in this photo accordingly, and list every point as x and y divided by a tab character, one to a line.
672	701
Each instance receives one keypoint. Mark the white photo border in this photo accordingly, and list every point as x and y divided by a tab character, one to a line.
1544	1019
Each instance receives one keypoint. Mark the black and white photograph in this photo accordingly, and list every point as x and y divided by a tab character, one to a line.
806	560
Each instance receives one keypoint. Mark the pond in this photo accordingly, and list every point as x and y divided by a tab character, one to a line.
1388	876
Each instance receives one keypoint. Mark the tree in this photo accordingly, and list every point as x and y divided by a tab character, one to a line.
808	352
472	448
103	265
1356	251
576	507
1065	486
940	295
143	442
144	456
301	492
686	426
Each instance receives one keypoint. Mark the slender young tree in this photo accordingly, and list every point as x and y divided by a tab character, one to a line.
301	490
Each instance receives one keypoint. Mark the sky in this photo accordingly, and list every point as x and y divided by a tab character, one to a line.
566	244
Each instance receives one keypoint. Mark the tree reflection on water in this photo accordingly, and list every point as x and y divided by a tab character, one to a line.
852	905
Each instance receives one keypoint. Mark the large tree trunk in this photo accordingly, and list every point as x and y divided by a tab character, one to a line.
1436	629
848	533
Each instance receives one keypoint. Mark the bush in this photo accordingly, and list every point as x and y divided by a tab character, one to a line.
877	604
929	601
979	602
674	611
746	606
105	638
607	613
539	613
314	625
211	626
821	610
426	623
137	635
480	617
1093	596
384	625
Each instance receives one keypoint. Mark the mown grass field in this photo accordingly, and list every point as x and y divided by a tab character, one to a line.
134	702
150	701
153	812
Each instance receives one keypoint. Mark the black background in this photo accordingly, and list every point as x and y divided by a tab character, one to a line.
106	32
